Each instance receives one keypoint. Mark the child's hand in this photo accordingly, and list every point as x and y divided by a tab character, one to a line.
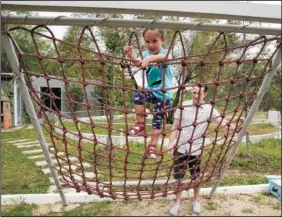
128	49
235	128
171	149
144	62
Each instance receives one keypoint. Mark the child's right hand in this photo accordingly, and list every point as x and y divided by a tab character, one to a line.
128	49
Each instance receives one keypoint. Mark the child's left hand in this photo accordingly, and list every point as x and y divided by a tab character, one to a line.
144	62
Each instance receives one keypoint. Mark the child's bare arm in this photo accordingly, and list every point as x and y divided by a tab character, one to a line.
173	136
129	51
153	58
224	123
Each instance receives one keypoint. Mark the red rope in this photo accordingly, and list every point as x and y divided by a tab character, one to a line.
124	172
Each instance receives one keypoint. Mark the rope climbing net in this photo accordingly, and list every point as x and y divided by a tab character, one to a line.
99	156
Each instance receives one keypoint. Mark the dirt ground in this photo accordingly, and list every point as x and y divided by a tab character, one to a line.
219	205
231	205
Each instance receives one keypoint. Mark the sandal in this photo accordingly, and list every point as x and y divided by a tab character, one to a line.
137	129
151	152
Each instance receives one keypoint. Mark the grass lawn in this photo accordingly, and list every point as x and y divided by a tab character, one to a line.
118	127
20	175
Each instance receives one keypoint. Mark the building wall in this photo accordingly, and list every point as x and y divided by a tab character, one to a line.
54	83
9	84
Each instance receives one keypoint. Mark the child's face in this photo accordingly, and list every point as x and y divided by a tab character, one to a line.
153	41
198	94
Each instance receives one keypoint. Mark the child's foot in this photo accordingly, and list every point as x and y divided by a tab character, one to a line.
196	207
137	129
174	209
151	152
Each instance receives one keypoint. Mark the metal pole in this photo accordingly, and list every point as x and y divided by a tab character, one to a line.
137	23
12	57
224	10
0	148
262	90
15	103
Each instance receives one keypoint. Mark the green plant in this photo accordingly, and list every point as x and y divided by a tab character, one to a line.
259	199
211	207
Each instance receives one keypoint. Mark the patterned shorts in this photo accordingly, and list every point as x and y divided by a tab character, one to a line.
150	97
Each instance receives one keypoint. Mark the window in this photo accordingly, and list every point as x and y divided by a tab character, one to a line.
52	103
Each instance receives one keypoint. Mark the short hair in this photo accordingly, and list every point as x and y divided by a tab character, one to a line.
205	87
161	31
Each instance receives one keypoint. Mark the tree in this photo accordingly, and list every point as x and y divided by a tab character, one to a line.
194	42
77	94
28	42
102	46
114	97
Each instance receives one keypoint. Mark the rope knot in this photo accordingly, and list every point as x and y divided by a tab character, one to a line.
238	62
255	60
102	62
232	81
122	65
217	83
184	63
247	77
163	90
82	61
182	87
212	102
164	64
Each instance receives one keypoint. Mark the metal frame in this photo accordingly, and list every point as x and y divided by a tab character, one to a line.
216	10
137	23
12	57
205	9
262	90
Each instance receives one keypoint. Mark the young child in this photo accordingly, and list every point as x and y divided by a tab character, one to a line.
188	155
158	76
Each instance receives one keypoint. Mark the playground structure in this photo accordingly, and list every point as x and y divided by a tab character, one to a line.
94	185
